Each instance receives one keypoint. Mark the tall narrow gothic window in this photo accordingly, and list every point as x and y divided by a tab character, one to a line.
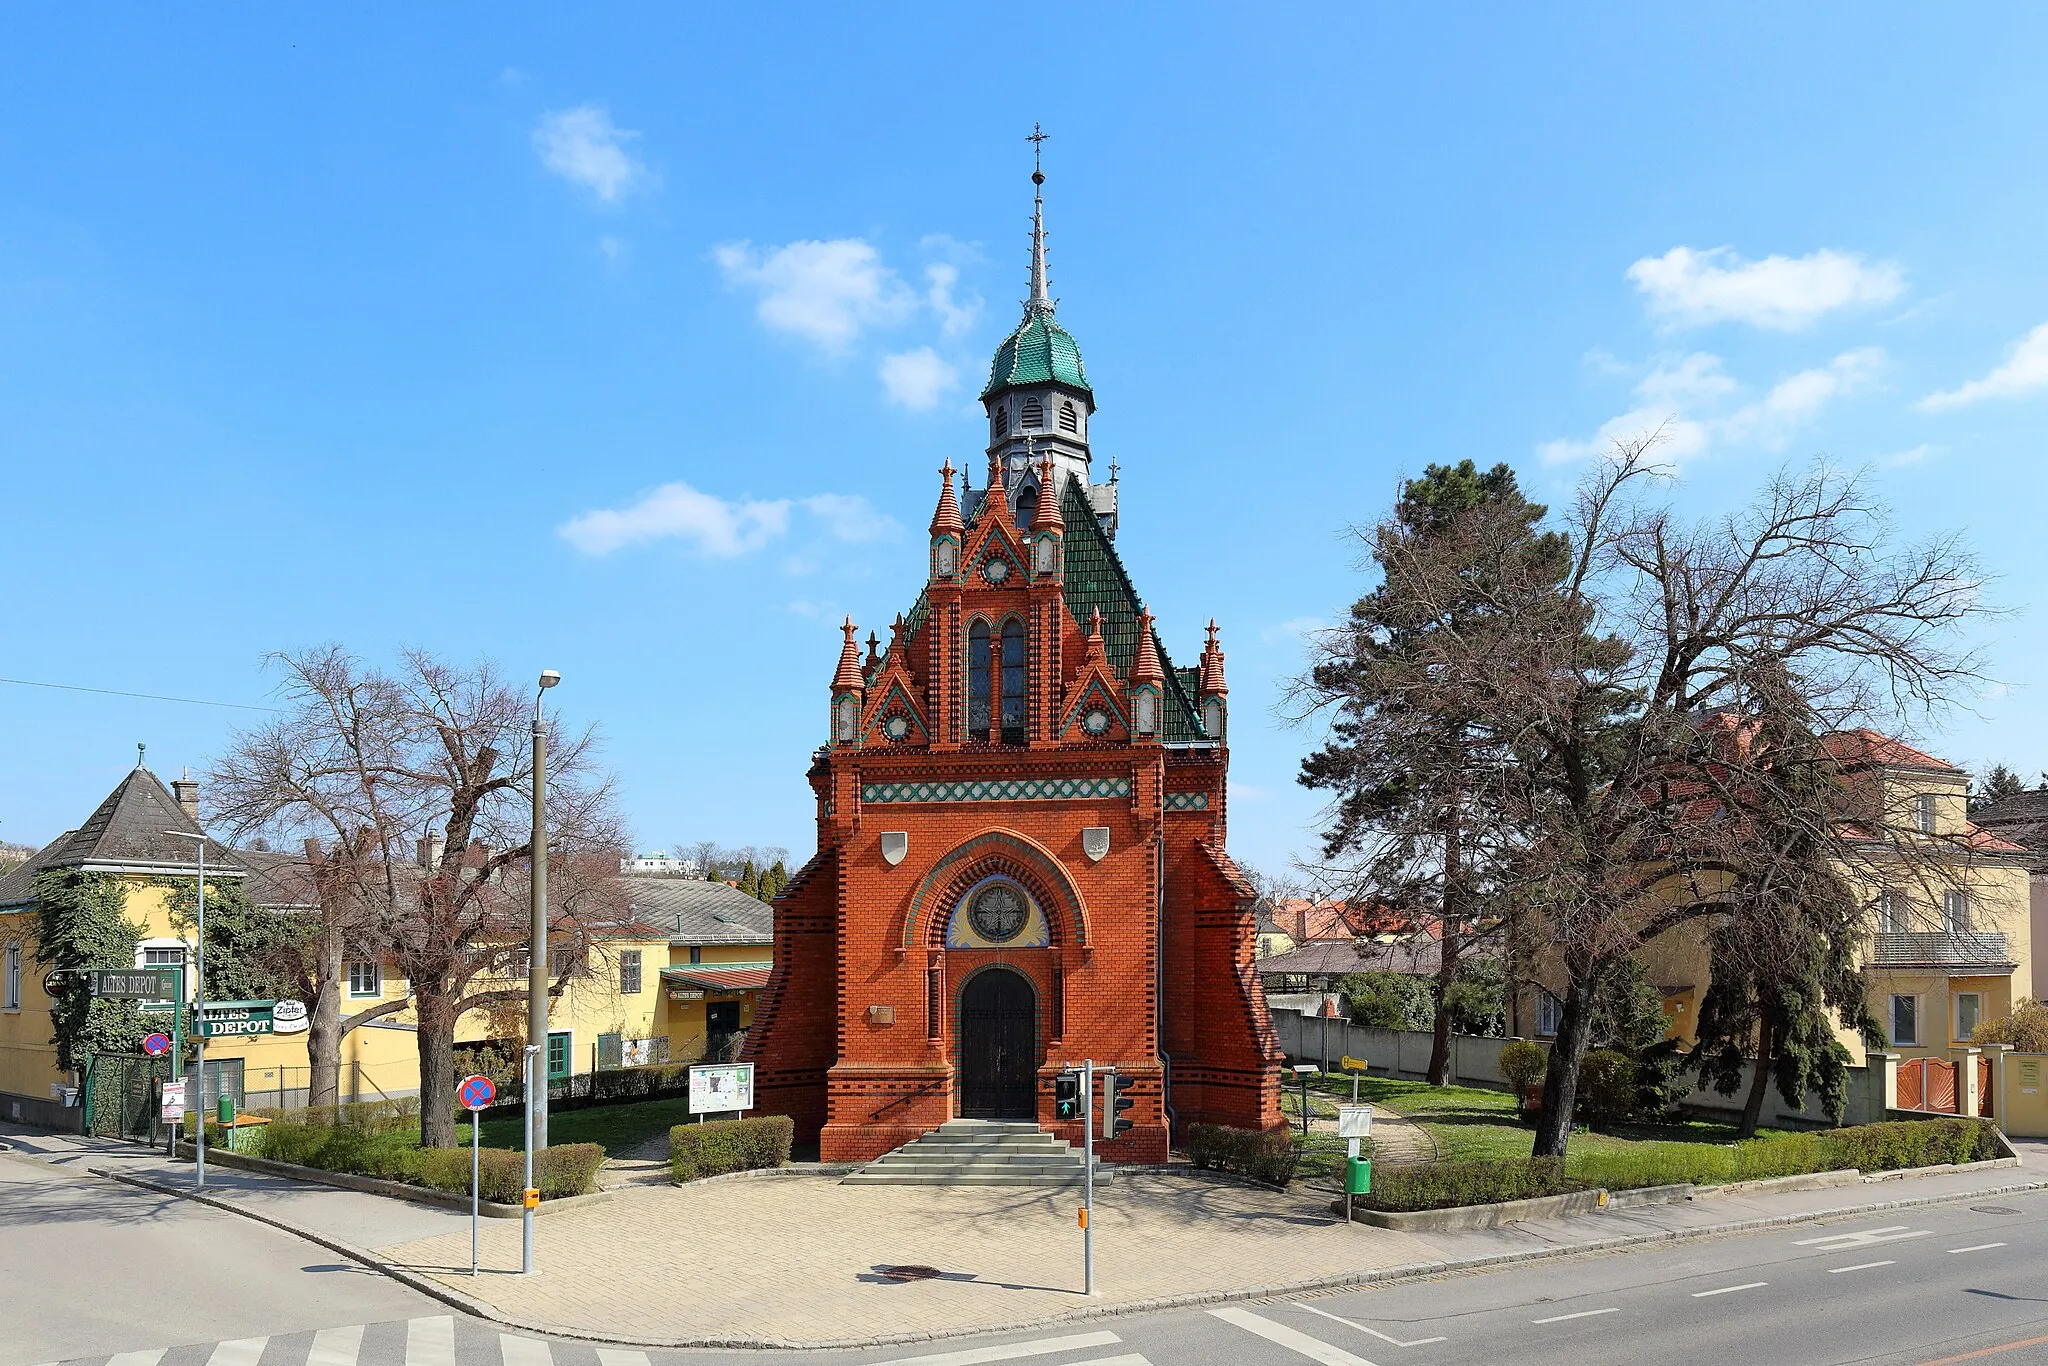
1033	416
1027	505
1069	420
978	666
1013	683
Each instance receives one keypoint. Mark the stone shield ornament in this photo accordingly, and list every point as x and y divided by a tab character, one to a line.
895	844
1095	842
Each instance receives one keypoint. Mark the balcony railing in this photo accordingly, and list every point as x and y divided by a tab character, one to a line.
1938	947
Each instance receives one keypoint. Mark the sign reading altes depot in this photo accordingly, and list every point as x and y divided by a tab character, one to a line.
218	1019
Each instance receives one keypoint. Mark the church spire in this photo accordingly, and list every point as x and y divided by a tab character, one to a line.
1040	301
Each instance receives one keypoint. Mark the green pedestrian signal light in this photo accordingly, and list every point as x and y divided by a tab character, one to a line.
1066	1096
1115	1102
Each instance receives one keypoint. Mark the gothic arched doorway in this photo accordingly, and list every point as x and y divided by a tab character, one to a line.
998	1046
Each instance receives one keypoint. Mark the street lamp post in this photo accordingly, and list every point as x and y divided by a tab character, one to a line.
537	931
198	1008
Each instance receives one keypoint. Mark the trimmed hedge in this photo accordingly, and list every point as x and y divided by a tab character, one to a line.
1446	1185
359	1150
729	1145
1889	1146
1523	1064
1264	1156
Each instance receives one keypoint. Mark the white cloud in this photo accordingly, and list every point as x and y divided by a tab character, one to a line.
850	517
1782	293
1917	455
2025	370
585	148
918	379
813	611
1684	401
1794	402
824	292
720	528
954	317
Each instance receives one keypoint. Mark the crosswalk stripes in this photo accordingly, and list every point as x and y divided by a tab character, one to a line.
241	1352
139	1358
612	1356
1293	1339
336	1346
430	1342
519	1351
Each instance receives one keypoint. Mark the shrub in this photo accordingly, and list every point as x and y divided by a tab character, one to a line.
2026	1029
1389	1000
1523	1063
729	1145
1446	1185
1651	1164
1607	1088
1911	1143
1766	1156
1264	1156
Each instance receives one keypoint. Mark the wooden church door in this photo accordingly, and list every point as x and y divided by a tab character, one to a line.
998	1046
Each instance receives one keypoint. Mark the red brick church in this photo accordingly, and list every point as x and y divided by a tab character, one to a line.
1021	818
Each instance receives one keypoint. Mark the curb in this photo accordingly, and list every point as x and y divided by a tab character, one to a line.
439	1290
396	1190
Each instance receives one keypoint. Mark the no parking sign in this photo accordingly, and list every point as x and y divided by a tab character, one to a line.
477	1093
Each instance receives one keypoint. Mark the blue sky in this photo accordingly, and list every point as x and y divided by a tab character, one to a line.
627	342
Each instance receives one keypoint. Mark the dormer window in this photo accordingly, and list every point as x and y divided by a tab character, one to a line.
1033	417
1069	420
1923	812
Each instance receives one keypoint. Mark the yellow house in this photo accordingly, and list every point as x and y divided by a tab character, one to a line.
719	947
1949	945
614	1011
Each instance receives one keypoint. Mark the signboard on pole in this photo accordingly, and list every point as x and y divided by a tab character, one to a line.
720	1087
476	1093
288	1017
135	984
227	1018
157	1044
1354	1121
174	1102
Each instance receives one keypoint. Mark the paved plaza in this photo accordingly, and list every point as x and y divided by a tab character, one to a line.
664	1264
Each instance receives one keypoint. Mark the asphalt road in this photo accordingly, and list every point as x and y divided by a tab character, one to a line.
198	1287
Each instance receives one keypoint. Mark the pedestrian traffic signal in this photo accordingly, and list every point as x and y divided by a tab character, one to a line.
1115	1100
1066	1096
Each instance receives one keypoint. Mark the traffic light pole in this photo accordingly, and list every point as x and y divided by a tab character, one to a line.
1088	1177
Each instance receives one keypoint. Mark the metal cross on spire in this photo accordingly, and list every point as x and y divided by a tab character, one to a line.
1040	300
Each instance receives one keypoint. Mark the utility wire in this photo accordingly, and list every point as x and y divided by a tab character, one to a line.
146	696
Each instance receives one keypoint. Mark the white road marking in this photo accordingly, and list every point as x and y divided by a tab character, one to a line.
430	1342
1840	1241
150	1358
1730	1289
1127	1359
519	1351
1976	1247
336	1346
1582	1314
239	1352
1293	1339
1860	1266
1374	1332
1009	1351
611	1356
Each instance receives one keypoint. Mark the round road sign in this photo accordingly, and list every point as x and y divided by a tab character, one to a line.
476	1092
157	1044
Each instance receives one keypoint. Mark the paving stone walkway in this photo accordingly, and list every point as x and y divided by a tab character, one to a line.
780	1256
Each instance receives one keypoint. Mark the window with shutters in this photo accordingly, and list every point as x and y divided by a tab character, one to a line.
999	421
1033	417
1070	421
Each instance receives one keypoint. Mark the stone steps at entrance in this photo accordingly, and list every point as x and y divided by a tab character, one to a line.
981	1153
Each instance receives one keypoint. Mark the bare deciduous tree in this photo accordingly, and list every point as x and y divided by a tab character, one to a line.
417	785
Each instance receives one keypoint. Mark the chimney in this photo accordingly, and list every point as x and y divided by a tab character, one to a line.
186	789
430	850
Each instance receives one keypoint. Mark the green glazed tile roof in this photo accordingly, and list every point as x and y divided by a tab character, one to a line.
1040	351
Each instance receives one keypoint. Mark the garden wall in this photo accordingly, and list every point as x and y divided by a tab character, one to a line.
1476	1062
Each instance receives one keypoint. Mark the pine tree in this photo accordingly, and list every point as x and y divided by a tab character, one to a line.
778	878
750	881
1405	760
1999	784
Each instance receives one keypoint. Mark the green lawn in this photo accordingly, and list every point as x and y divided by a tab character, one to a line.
615	1128
1467	1124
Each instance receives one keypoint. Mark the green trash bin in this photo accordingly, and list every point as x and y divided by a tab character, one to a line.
1357	1175
226	1110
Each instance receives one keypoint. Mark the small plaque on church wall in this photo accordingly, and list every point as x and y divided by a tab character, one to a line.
881	1014
895	844
1095	842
